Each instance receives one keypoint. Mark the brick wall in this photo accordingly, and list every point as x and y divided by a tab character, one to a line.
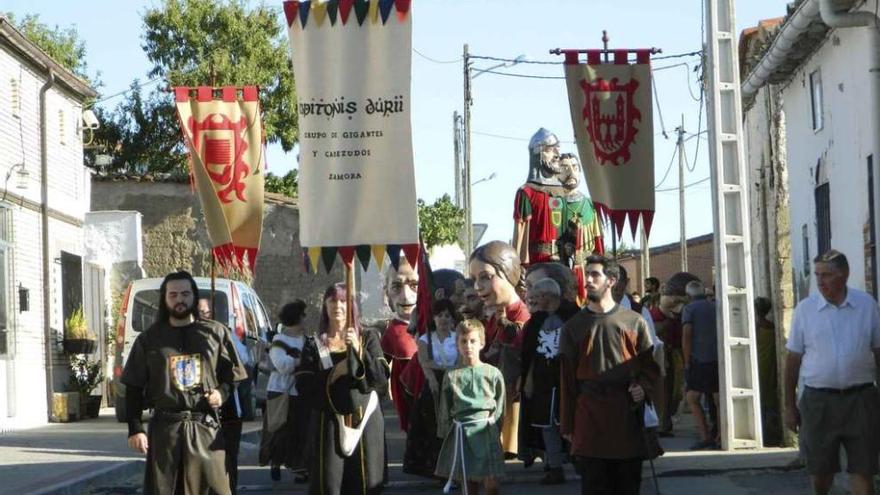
666	261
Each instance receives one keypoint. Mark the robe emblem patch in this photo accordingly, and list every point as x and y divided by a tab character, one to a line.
186	371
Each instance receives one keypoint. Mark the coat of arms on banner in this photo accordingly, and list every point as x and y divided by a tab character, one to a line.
223	149
186	371
610	114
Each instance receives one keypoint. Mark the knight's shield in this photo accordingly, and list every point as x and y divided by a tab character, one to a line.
186	371
609	114
556	206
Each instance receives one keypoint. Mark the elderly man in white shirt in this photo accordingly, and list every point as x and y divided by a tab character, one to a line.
834	347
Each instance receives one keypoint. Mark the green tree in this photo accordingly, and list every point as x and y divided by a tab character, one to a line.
287	185
204	42
63	45
441	222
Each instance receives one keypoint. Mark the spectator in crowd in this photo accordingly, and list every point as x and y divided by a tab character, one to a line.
765	333
636	298
834	348
471	306
539	385
286	424
652	292
699	345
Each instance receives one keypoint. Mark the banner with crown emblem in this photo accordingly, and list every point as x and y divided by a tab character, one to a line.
612	115
352	67
225	139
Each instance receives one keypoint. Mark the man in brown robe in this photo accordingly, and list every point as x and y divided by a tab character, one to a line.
606	371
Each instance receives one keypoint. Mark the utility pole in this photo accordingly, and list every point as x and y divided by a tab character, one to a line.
681	164
456	144
468	101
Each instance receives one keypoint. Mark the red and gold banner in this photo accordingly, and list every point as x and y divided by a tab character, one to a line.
225	138
612	115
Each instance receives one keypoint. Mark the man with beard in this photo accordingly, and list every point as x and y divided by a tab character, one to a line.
579	232
399	346
534	236
183	368
606	373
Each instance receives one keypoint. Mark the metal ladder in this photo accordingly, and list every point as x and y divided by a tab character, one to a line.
739	400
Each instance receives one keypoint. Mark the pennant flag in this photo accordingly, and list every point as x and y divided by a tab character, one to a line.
374	11
347	254
361	9
363	253
304	8
291	10
332	6
393	251
411	251
612	114
356	177
345	9
385	9
379	255
328	256
402	9
226	165
319	12
314	258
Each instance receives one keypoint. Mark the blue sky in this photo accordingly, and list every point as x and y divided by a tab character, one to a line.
507	110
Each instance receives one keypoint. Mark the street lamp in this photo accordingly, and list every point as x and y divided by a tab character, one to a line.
469	75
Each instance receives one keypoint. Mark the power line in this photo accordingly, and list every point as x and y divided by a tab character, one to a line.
669	189
130	89
511	138
668	168
548	62
434	59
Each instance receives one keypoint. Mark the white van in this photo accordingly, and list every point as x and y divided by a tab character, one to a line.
236	305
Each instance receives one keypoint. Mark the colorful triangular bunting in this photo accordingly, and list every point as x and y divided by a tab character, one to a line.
345	9
393	251
402	9
332	9
347	253
363	254
319	12
314	257
385	9
361	9
328	256
633	216
374	11
291	10
378	254
411	251
304	8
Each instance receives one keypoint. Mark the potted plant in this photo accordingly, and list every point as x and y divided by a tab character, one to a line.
78	338
85	375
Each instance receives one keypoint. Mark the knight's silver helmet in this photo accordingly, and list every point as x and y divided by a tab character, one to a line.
540	139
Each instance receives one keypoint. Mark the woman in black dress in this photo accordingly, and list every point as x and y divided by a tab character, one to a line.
343	373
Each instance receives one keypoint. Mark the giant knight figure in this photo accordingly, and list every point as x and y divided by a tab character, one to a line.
553	220
534	235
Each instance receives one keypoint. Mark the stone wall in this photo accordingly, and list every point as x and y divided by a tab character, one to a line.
175	237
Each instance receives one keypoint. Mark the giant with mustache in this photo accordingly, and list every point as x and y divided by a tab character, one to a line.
398	344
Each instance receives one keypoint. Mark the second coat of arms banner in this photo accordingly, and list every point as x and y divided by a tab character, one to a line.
611	111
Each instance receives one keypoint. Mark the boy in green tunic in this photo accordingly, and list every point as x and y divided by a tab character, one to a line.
469	417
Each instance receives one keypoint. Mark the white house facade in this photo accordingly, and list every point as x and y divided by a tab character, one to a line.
40	227
815	109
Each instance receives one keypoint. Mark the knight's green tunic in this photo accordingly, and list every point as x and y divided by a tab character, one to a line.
472	397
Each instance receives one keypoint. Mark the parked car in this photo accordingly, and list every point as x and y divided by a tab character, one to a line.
236	305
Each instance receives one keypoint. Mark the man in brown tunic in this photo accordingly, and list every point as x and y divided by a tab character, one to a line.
606	367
